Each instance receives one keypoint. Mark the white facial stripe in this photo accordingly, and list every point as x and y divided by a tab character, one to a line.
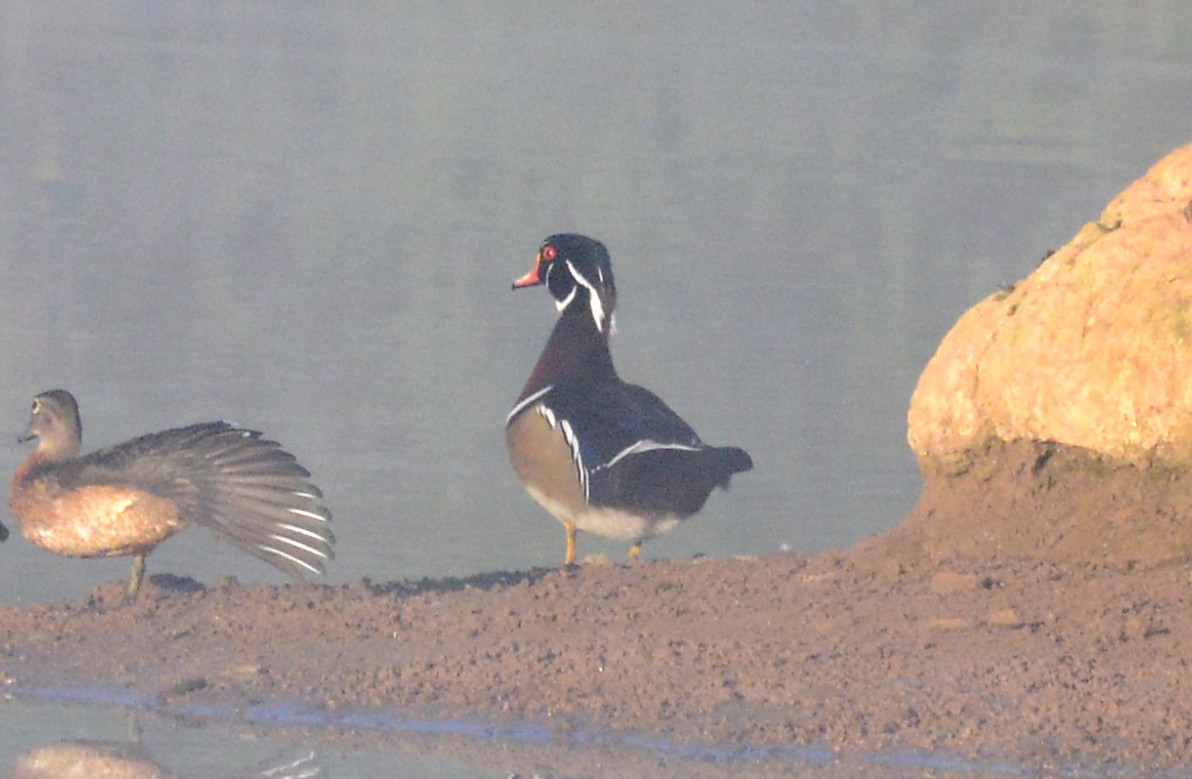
593	296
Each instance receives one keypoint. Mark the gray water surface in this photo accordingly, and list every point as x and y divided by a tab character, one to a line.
306	217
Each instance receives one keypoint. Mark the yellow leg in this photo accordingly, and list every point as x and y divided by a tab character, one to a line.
634	551
569	557
138	574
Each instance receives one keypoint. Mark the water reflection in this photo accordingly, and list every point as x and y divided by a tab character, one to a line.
55	740
72	759
75	759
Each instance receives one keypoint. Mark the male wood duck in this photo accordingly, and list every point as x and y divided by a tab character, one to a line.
601	455
126	499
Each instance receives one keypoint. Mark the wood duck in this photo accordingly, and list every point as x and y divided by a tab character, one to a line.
601	455
126	499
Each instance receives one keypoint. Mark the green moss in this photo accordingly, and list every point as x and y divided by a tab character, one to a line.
1169	320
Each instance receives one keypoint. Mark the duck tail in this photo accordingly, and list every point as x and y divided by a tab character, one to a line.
733	460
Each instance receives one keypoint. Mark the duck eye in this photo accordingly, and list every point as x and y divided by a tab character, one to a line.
549	253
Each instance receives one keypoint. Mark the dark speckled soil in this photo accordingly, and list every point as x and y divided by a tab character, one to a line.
900	643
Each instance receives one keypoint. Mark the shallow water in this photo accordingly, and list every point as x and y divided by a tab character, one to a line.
55	741
52	740
306	218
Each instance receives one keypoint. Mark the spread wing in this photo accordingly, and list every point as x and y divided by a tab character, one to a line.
226	478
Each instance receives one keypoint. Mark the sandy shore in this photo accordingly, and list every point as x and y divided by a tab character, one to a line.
1031	613
1033	662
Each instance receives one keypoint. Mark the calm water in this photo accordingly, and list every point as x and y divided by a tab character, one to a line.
306	218
51	741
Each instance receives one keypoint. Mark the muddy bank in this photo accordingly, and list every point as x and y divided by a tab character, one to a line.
897	644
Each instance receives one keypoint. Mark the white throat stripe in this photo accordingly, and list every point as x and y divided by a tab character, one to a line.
593	297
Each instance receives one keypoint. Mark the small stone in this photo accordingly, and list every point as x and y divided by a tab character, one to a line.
1005	618
952	623
947	582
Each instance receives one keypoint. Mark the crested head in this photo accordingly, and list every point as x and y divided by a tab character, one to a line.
54	421
577	271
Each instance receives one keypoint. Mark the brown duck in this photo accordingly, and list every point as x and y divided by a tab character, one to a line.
128	498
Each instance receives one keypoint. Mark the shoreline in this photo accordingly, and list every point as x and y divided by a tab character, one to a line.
864	652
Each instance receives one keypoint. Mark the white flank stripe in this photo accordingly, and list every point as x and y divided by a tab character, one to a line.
580	471
646	446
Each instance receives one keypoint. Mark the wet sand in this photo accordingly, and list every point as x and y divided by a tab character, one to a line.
889	647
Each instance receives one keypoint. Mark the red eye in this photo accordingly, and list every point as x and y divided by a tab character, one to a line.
549	253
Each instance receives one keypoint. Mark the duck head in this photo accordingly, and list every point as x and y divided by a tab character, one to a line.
577	271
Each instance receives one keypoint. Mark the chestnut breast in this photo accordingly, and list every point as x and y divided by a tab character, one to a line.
100	520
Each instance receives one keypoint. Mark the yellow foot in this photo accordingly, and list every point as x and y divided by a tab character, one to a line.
569	557
138	575
634	551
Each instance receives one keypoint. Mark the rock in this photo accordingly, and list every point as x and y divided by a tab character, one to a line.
1004	618
952	623
1054	422
1092	350
948	582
